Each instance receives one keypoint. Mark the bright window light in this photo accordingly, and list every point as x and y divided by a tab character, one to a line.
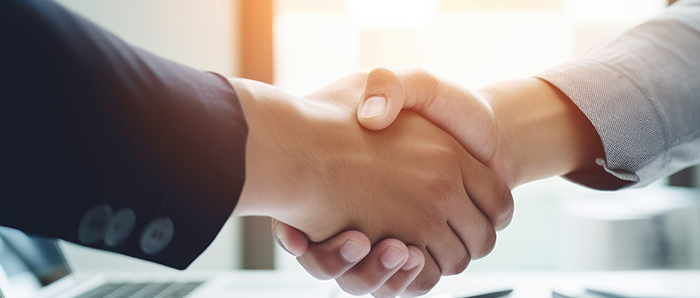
392	13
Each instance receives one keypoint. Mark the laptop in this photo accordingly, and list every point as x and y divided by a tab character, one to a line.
32	266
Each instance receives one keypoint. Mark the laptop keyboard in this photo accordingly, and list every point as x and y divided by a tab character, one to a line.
141	290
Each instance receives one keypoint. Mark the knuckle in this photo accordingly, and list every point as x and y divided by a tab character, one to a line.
380	78
450	153
462	265
505	206
424	76
429	85
423	284
379	71
487	245
439	187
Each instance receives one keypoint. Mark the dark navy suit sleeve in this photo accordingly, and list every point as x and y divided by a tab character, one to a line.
107	145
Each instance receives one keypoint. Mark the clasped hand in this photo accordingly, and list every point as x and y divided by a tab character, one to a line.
410	190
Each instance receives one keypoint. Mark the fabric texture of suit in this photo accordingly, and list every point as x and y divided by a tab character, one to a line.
641	92
88	120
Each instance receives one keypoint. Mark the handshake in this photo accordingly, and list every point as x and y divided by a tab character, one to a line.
389	179
384	181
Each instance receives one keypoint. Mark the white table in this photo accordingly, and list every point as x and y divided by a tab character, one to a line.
540	284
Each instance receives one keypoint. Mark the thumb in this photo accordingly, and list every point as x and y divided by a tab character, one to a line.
289	238
382	99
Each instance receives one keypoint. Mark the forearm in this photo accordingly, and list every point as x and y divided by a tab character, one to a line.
91	121
541	132
608	120
640	92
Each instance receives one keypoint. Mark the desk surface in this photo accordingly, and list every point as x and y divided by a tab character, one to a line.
670	284
633	284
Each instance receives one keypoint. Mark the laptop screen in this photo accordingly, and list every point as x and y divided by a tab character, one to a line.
30	262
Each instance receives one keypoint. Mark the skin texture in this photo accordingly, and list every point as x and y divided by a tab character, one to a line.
524	130
311	165
324	260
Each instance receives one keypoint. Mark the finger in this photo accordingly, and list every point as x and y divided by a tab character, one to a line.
385	259
387	92
382	99
398	282
335	256
426	279
344	91
459	111
488	192
449	251
289	238
474	229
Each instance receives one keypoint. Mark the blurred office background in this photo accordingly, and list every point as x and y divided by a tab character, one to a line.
302	45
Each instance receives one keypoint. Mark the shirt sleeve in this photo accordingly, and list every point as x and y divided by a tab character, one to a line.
641	92
109	146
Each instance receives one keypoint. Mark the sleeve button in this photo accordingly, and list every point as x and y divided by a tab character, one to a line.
93	224
120	227
157	235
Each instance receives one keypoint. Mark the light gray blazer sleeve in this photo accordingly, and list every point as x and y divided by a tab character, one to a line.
641	92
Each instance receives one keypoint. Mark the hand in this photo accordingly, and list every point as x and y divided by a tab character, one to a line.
345	258
494	123
469	222
524	130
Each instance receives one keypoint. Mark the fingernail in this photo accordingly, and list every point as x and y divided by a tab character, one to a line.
352	251
284	246
413	261
391	257
374	106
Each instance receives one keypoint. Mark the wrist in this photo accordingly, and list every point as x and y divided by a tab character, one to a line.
295	151
541	131
273	184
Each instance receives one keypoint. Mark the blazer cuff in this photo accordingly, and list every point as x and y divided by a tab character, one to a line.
627	122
